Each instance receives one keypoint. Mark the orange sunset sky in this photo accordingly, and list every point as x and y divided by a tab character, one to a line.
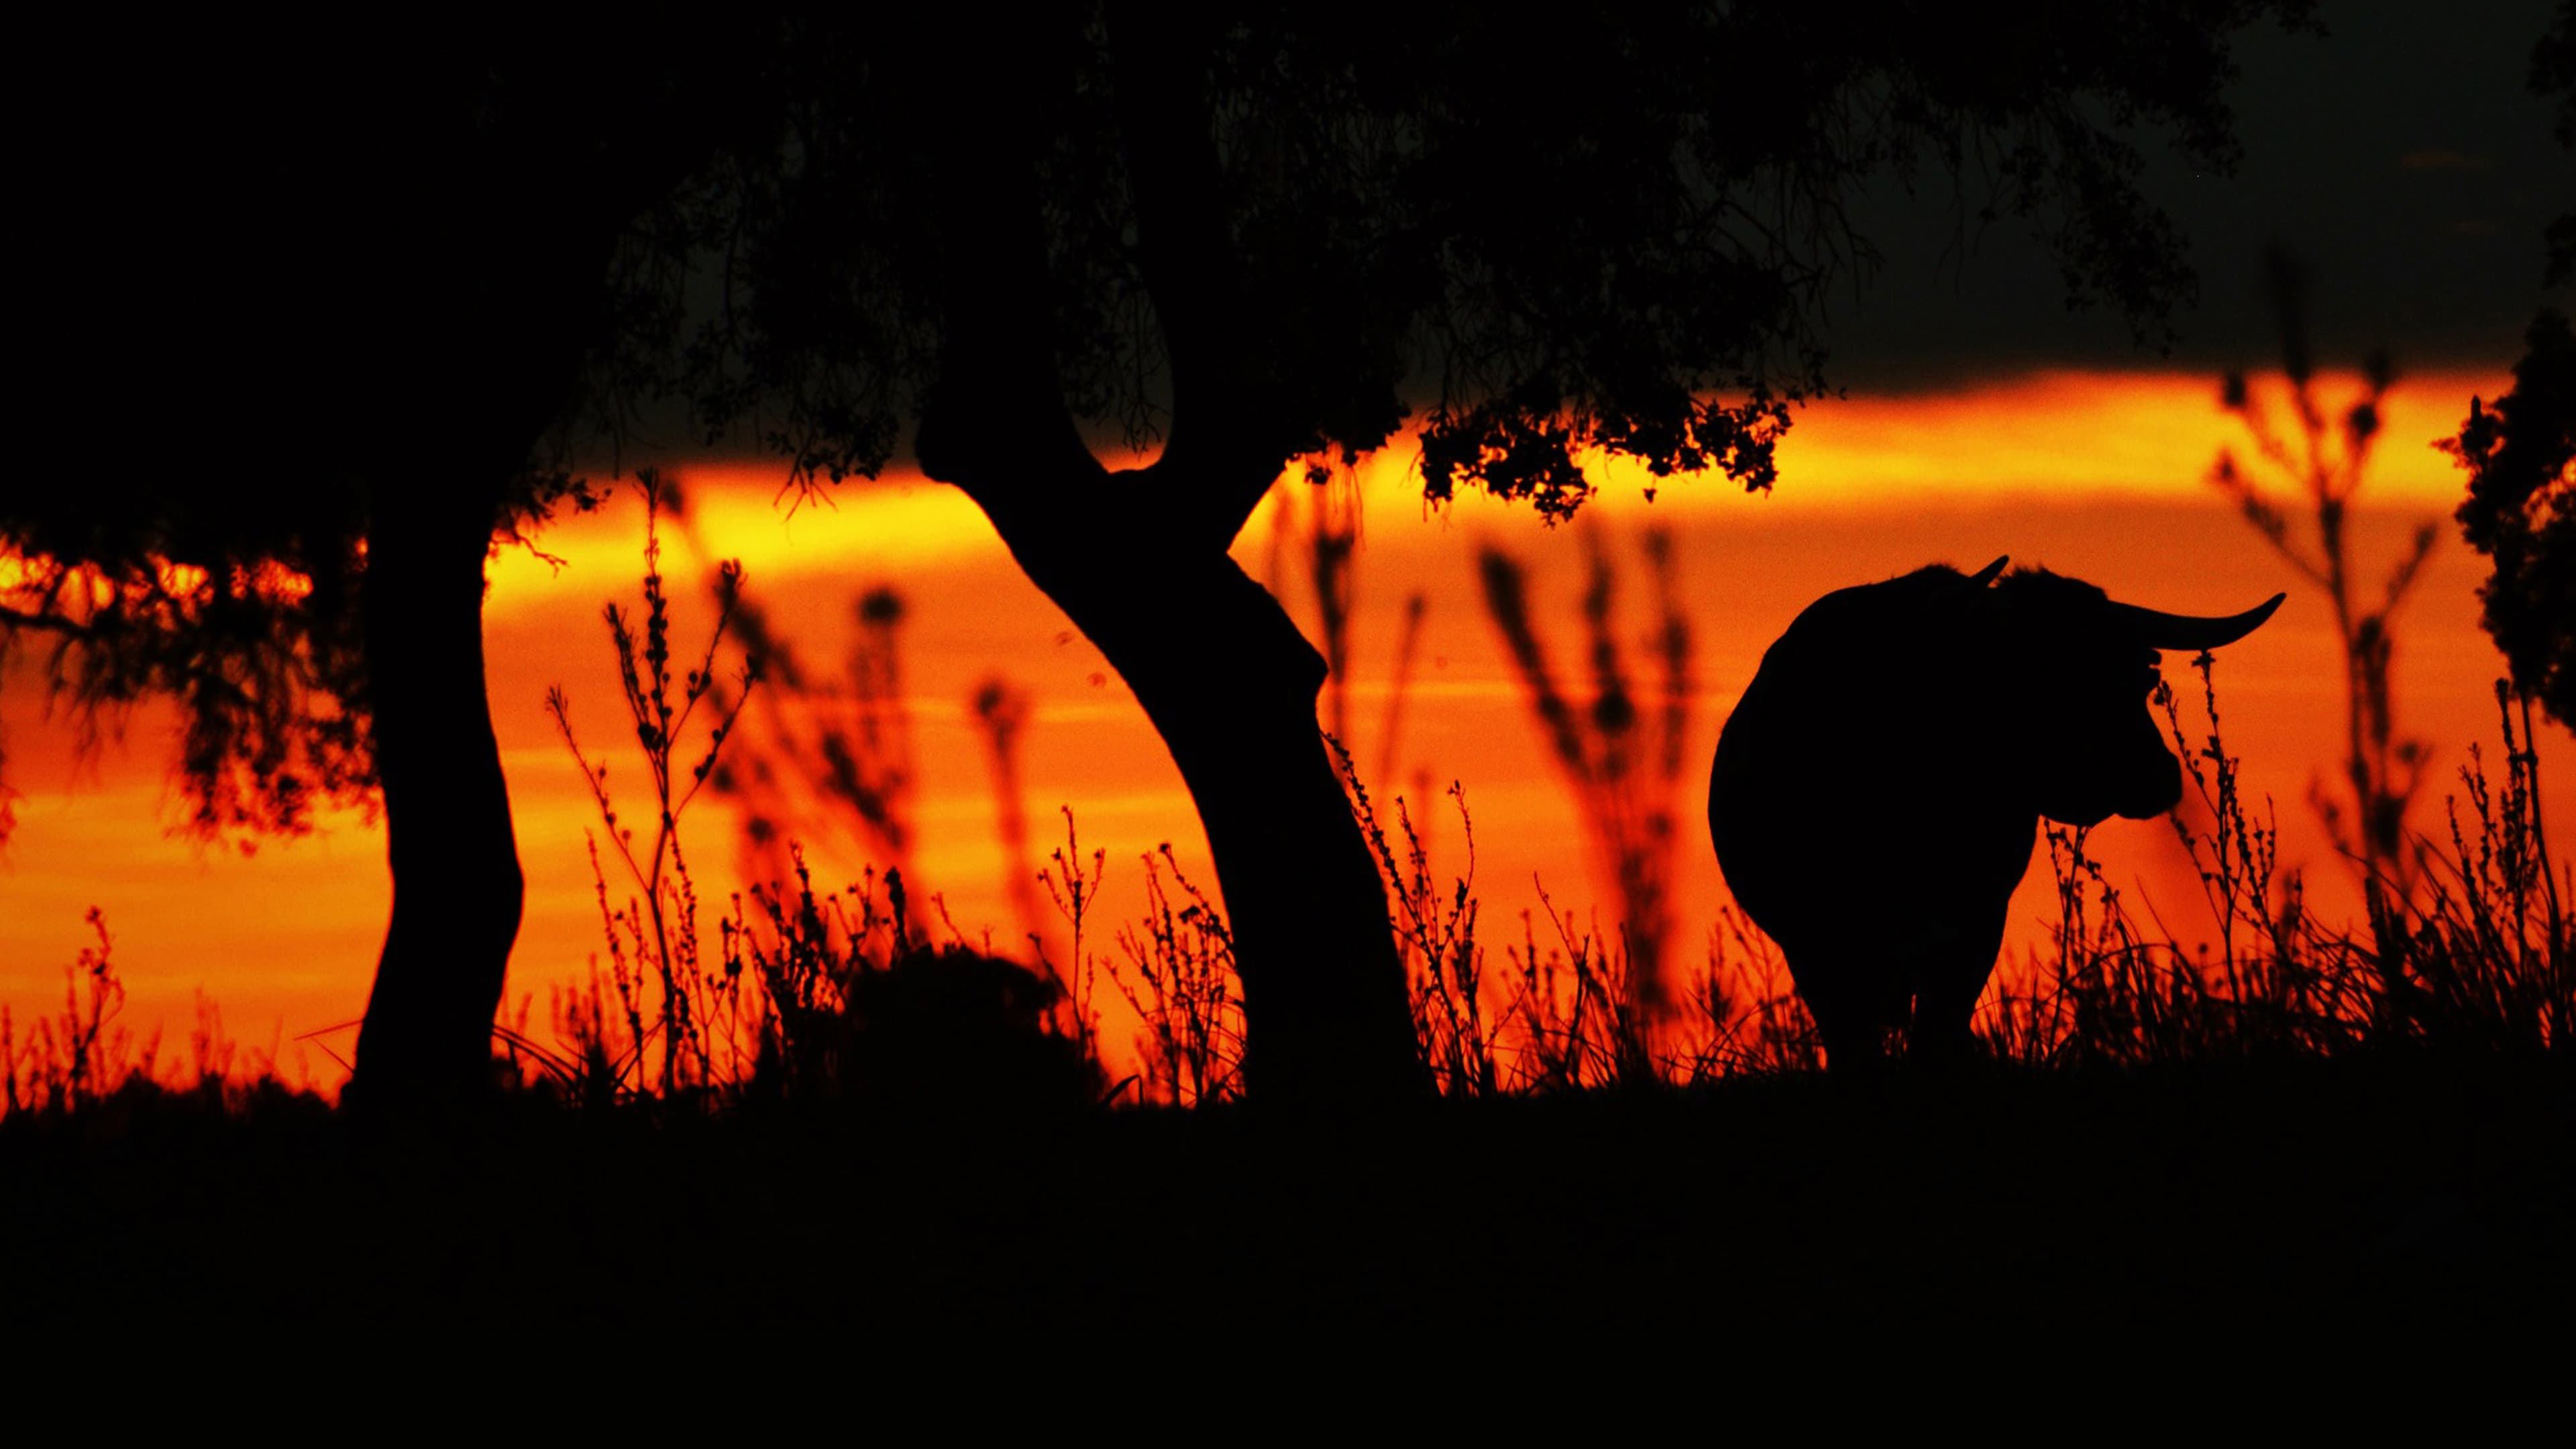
2098	474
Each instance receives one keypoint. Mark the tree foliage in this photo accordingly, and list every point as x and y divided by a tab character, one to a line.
1251	231
2521	508
2553	72
2520	455
249	622
1615	231
299	290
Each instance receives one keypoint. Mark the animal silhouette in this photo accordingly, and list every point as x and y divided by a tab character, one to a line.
1877	792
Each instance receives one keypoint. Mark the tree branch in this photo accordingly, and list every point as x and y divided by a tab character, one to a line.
994	421
1226	446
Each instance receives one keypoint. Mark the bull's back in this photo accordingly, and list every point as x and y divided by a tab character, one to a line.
1849	787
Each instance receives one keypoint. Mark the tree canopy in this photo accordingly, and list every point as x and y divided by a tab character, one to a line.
279	279
1265	231
1251	232
2520	455
1616	230
325	318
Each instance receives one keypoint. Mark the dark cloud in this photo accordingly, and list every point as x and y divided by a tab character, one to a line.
2402	157
2433	158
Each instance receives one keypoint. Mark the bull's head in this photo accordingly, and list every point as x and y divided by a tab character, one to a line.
2071	670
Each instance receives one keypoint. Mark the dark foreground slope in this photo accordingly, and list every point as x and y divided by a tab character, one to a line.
2370	1202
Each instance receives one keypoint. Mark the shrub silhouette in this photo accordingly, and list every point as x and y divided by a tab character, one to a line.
957	1032
2520	455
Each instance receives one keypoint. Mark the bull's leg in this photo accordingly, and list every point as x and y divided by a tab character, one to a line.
1852	1020
1946	992
1850	1043
1941	1033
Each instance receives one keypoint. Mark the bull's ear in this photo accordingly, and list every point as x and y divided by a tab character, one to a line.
1968	612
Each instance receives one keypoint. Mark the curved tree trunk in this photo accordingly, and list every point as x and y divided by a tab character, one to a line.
1230	684
453	857
493	352
1137	558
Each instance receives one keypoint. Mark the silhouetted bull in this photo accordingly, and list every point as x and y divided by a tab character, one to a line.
1878	790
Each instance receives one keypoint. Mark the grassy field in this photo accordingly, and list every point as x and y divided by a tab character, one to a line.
911	1149
2398	1202
806	1130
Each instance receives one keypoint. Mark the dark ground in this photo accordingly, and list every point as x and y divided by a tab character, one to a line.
2392	1205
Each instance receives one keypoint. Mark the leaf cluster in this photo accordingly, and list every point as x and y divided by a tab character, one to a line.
309	301
249	622
2520	454
1616	230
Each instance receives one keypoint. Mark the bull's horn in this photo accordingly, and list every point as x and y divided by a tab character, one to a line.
1986	575
2158	630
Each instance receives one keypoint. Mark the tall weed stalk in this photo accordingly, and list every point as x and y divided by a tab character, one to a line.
1435	933
1622	759
1179	975
2477	959
74	1064
2326	458
810	994
677	1019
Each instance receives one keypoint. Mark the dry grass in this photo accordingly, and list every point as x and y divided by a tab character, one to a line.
811	994
83	1062
2477	957
814	995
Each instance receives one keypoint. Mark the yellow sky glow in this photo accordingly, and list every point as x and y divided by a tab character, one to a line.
2100	475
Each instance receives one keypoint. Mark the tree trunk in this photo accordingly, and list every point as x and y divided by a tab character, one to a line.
454	859
1231	686
1137	559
